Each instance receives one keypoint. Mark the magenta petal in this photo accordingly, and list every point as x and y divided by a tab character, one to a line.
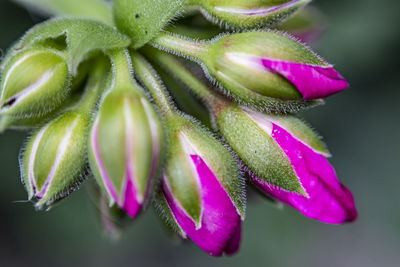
328	200
312	81
220	220
234	244
131	205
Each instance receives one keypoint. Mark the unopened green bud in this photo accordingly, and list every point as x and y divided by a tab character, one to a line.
54	158
124	149
34	82
17	123
248	13
125	140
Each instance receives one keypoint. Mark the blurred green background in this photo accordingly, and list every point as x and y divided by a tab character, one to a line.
361	126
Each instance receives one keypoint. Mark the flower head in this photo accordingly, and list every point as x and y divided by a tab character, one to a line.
325	199
202	187
86	87
289	163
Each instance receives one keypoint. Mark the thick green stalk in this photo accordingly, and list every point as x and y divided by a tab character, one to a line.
94	87
177	69
122	69
180	44
153	83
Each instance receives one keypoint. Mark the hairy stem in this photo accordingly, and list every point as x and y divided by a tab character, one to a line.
150	79
180	44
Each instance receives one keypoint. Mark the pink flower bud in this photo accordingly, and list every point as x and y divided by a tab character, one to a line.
272	64
219	229
325	198
202	187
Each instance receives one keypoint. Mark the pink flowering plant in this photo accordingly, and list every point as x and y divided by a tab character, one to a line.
88	84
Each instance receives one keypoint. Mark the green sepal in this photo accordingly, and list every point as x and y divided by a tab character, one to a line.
142	20
216	155
245	14
257	149
67	133
81	36
93	9
16	123
179	173
34	82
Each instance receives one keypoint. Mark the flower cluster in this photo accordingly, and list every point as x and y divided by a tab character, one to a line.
90	89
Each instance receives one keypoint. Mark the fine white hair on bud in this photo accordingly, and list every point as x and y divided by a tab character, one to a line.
34	82
54	158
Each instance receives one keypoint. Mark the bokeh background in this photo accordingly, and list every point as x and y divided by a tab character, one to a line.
361	126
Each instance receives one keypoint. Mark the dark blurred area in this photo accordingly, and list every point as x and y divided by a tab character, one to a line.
361	127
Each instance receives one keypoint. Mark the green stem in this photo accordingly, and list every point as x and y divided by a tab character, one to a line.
94	86
185	46
122	69
177	69
214	101
153	83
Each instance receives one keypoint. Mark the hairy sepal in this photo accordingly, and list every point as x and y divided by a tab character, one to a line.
256	148
216	156
248	14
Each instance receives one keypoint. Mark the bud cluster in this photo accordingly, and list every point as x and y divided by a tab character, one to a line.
98	108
